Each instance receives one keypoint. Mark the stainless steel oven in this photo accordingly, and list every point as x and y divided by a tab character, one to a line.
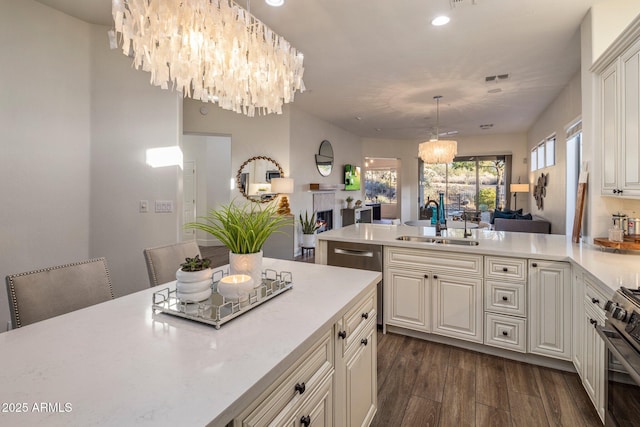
621	336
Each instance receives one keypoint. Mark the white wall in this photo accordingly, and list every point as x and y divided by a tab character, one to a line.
407	152
44	117
128	116
555	119
307	132
599	28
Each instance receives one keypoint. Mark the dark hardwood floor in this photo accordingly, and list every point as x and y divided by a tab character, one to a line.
421	383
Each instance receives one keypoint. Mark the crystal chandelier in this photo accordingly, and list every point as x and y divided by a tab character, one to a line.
211	50
437	150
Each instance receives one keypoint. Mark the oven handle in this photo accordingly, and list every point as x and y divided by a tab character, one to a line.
613	348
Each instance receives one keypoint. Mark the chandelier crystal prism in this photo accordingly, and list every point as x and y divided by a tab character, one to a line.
210	50
437	150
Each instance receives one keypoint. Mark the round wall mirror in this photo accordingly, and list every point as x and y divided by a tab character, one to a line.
324	158
254	178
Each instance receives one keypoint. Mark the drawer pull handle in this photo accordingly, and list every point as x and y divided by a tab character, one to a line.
505	333
505	299
365	315
593	322
305	420
342	334
364	341
300	387
595	300
534	264
505	269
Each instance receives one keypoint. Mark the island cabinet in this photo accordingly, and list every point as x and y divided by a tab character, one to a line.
434	291
332	384
588	347
505	303
550	308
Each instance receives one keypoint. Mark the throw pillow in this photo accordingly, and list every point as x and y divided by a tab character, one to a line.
525	216
501	214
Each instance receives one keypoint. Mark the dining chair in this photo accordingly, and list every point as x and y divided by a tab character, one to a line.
164	261
49	292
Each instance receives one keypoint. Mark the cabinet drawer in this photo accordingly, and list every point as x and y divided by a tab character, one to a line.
506	298
592	296
505	332
514	269
445	262
356	318
285	395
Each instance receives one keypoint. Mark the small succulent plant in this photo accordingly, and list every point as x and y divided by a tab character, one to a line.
195	264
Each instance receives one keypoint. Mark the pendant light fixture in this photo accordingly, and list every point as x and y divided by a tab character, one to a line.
438	150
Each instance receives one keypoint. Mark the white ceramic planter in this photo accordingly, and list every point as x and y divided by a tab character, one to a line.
249	264
309	240
193	286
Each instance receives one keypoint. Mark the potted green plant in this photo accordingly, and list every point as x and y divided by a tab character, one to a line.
194	279
243	228
349	199
309	228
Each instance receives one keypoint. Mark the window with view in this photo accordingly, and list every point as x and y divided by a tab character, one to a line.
470	184
544	154
381	184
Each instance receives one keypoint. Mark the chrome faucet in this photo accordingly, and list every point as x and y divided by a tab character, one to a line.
438	227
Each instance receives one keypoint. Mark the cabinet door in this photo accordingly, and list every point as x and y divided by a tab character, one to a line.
361	382
610	126
457	307
317	411
578	320
550	309
630	135
593	364
406	299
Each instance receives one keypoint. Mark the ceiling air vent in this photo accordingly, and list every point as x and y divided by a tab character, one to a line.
497	78
457	3
486	126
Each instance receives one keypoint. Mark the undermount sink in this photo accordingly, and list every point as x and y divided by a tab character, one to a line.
438	240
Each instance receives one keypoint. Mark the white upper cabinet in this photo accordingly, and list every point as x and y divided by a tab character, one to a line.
620	124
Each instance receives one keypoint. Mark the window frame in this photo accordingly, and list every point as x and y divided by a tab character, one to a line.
543	155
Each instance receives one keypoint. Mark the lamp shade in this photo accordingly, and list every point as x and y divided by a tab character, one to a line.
438	151
282	185
519	188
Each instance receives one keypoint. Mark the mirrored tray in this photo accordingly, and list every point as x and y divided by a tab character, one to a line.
217	310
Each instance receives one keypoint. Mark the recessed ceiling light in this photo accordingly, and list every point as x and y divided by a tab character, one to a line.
440	20
496	90
274	3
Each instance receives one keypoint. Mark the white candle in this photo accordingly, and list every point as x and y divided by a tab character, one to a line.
235	286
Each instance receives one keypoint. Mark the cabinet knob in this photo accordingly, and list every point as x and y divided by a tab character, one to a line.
593	322
342	334
435	276
305	420
595	300
300	387
505	333
426	276
364	341
365	315
534	264
505	269
505	299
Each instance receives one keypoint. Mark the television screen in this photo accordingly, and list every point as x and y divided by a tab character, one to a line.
351	177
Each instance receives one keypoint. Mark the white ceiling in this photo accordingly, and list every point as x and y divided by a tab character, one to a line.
382	60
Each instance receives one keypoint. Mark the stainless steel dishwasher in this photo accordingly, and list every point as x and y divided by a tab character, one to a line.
363	256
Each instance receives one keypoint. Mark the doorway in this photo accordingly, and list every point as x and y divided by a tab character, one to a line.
574	160
382	187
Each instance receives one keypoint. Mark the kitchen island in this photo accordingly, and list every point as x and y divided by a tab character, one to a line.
119	363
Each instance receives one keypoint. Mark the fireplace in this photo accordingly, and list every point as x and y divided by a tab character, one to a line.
323	204
325	220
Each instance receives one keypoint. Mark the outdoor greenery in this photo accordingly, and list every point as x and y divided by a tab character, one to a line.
242	228
380	185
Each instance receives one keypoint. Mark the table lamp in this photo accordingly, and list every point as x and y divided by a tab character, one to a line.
282	186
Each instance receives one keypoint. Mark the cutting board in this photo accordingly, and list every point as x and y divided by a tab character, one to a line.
577	216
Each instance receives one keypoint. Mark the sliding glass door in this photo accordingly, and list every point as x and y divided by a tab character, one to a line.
470	184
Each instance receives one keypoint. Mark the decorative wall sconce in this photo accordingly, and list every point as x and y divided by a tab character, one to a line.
540	190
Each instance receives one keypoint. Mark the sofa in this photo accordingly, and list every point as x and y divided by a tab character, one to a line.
535	225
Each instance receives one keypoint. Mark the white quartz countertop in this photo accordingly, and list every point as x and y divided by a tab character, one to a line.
119	364
612	269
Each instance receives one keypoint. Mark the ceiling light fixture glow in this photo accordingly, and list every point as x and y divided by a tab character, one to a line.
274	3
437	150
440	20
230	54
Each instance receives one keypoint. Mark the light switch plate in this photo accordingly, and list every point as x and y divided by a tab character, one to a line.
164	206
144	206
